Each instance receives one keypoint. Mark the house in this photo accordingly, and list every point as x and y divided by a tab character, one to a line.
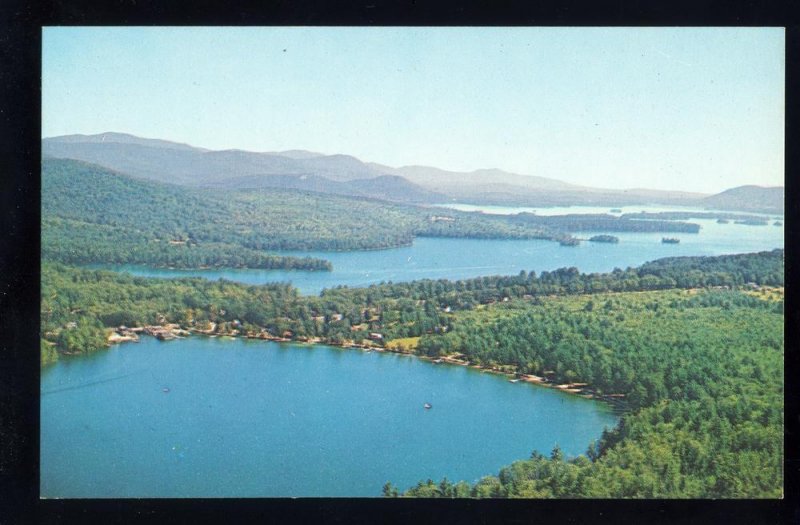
375	336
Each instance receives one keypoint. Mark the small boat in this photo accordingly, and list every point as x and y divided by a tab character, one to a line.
428	405
670	240
513	380
165	390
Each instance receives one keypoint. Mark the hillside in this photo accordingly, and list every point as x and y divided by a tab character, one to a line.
384	187
749	198
93	215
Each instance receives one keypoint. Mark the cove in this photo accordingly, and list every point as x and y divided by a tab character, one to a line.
220	417
440	258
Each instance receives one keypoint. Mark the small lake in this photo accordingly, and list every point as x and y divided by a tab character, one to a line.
436	258
261	419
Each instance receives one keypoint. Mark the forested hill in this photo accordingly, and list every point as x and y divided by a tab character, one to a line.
92	214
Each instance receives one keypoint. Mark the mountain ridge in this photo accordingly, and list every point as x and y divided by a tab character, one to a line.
343	174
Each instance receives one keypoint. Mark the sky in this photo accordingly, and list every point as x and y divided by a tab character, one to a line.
693	109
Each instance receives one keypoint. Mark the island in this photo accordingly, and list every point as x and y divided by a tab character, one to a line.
604	238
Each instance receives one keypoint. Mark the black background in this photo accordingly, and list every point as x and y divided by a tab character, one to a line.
20	134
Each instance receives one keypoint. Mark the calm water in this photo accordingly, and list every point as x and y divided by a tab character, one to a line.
258	419
563	210
464	258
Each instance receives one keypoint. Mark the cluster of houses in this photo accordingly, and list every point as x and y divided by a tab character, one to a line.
161	332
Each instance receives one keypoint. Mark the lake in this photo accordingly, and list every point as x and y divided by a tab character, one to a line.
262	419
429	258
564	210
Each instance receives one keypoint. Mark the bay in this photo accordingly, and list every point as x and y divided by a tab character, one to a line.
221	417
438	258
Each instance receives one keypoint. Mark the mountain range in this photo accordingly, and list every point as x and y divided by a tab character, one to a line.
177	163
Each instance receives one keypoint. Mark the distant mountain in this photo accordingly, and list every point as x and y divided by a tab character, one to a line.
122	138
749	198
170	162
444	181
493	186
176	163
298	154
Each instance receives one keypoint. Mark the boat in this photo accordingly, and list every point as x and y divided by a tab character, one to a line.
670	240
428	405
513	380
165	390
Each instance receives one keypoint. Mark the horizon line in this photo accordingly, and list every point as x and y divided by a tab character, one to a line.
368	162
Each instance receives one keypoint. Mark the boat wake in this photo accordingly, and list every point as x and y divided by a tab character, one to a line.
90	383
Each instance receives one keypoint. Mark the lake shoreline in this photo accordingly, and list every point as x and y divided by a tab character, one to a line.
173	331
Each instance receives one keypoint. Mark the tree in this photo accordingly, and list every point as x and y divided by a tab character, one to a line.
389	490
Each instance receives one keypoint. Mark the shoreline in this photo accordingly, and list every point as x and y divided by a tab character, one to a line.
173	331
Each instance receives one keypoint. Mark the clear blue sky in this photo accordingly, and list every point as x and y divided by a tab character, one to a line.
693	109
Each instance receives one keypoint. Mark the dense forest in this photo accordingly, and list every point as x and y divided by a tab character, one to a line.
110	299
77	242
603	222
693	346
702	374
93	215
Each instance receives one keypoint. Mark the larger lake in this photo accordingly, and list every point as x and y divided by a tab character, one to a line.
464	258
234	418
